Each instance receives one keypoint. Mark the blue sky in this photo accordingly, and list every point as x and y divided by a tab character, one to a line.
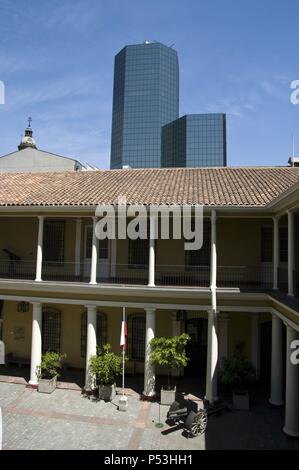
237	56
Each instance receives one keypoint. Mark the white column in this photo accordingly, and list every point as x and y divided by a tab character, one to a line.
91	343
213	268
276	393
212	358
39	255
275	252
113	255
255	343
78	247
291	253
149	368
291	426
223	321
94	254
36	341
151	262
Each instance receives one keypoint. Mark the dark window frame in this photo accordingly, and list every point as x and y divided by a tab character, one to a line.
48	331
136	337
47	244
266	244
201	257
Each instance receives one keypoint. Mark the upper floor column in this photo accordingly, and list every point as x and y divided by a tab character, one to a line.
39	255
291	253
94	253
275	252
78	247
152	253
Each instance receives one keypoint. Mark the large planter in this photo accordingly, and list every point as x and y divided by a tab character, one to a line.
167	396
241	400
47	385
107	392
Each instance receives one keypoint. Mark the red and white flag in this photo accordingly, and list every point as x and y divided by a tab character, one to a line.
123	334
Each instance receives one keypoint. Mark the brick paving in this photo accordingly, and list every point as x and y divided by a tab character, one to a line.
68	420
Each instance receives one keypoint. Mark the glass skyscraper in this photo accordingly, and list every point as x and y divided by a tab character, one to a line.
145	98
194	140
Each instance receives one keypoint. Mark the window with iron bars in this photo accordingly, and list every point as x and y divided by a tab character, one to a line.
51	329
53	243
202	256
136	337
138	253
101	331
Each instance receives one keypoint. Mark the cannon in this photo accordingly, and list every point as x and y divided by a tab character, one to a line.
194	422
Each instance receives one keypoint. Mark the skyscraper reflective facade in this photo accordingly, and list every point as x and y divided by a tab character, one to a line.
145	98
194	140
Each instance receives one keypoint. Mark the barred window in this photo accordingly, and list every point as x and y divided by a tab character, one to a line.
101	331
136	337
51	327
202	256
138	252
102	244
53	243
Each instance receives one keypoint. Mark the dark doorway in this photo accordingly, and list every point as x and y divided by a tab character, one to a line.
197	329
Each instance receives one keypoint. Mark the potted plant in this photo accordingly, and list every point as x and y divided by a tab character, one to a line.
48	371
237	372
171	354
105	366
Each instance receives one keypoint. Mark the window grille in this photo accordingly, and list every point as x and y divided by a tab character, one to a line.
53	243
202	256
136	337
51	328
101	331
102	245
138	252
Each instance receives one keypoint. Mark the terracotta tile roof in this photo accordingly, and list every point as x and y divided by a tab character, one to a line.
208	186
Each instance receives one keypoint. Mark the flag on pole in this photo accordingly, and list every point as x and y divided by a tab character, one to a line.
123	334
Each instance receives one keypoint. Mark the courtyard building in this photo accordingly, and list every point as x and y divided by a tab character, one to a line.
62	289
28	158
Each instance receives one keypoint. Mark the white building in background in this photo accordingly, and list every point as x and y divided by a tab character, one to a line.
28	158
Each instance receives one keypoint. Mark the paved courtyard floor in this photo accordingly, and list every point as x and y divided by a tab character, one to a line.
68	420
